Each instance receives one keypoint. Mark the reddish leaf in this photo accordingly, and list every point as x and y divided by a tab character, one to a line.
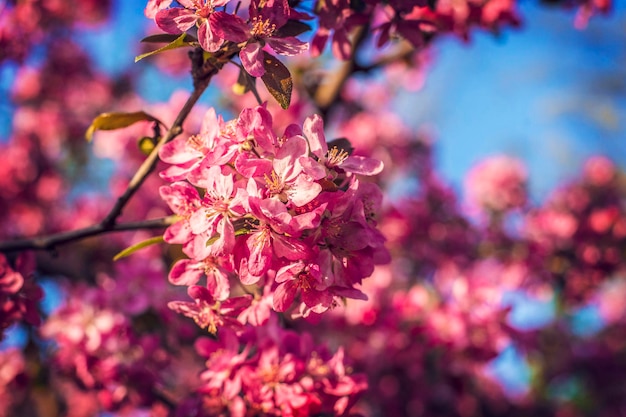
277	79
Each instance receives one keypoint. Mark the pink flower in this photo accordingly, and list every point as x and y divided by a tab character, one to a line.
349	236
287	180
599	170
334	159
184	200
19	294
266	20
221	202
209	313
337	16
497	183
259	311
306	279
224	360
212	146
405	23
274	236
189	272
213	27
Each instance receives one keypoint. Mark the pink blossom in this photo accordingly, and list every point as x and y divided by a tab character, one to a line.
189	155
335	158
209	313
339	18
498	183
287	180
599	170
306	279
213	27
184	200
259	311
266	20
189	272
19	294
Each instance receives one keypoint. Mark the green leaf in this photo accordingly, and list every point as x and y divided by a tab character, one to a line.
277	79
179	42
166	38
112	121
134	248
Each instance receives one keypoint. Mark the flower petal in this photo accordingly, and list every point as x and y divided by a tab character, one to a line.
252	59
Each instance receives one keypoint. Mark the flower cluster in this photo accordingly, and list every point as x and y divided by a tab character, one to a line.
415	21
276	23
285	213
273	223
269	371
23	24
268	24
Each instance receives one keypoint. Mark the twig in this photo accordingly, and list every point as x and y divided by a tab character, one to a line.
51	241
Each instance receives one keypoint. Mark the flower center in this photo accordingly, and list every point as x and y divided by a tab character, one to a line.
262	28
204	11
219	205
274	184
206	318
336	156
304	280
196	142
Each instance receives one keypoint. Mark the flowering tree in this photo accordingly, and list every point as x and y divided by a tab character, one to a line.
245	258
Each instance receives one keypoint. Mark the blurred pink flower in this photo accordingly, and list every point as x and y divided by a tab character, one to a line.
497	184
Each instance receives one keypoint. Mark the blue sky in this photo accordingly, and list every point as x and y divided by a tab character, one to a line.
546	93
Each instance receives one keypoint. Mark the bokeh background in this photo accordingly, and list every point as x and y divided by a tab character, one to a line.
546	93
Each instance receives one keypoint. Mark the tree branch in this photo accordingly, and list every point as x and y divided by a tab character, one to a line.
201	79
202	73
51	241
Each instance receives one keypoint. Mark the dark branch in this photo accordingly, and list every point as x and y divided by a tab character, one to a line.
51	241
